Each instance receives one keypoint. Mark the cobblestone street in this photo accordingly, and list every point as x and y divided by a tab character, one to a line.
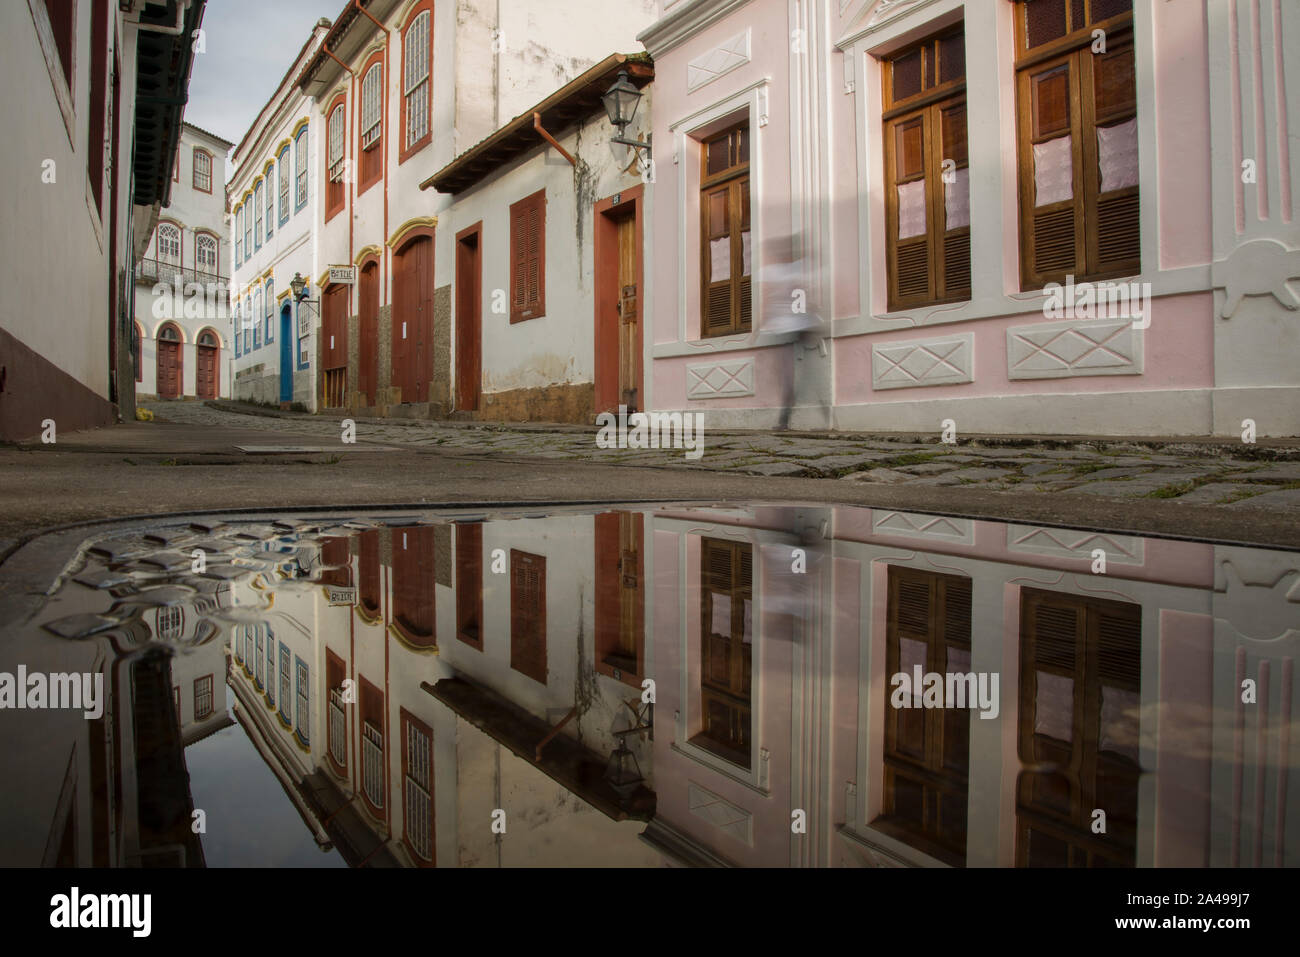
1191	473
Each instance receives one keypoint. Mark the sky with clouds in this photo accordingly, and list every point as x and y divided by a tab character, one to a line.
249	44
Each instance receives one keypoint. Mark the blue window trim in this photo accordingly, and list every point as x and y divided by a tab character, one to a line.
299	688
298	344
238	351
296	171
255	319
270	196
257	204
239	236
284	167
271	312
284	653
270	666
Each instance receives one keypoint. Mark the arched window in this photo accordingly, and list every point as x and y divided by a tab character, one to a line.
283	181
270	311
205	254
208	339
257	214
170	620
202	170
336	143
239	236
300	168
415	80
248	232
370	113
247	324
334	191
169	333
169	244
238	319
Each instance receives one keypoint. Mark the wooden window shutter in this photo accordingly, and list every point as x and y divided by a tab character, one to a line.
725	285
726	579
927	202
1078	143
528	614
528	257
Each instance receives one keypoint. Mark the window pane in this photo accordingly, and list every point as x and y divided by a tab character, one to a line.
956	200
720	259
1044	21
1054	171
907	75
1054	706
911	209
1117	154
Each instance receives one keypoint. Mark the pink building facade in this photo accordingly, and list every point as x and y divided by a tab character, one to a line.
1024	216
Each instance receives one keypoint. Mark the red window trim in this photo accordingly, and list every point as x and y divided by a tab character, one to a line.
378	149
332	211
407	152
407	718
194	170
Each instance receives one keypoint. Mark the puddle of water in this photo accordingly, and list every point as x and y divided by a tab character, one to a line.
759	686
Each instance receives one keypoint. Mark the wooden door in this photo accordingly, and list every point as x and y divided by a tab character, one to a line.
413	580
528	615
620	596
617	333
206	372
169	369
413	319
469	319
334	346
629	386
368	332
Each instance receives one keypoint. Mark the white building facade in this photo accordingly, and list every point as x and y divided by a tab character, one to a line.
272	194
181	337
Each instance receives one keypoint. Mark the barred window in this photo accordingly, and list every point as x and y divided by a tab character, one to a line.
336	144
202	170
370	113
257	215
300	166
415	84
284	185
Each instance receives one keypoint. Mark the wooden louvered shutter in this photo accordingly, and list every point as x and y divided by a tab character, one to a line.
413	577
927	204
725	287
528	614
469	584
1078	143
1113	240
528	257
726	678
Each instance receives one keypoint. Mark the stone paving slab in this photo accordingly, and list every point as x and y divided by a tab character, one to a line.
1282	498
1111	468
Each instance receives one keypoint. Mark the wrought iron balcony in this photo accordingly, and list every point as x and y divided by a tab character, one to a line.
158	270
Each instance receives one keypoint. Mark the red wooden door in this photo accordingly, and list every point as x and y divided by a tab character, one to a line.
334	345
368	376
413	319
469	283
206	372
413	580
169	369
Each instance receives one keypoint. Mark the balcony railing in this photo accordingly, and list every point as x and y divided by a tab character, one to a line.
158	270
338	729
372	763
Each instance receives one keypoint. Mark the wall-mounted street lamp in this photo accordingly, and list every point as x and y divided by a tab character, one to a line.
621	101
300	288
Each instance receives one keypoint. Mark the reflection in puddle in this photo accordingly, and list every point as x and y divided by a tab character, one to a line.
686	685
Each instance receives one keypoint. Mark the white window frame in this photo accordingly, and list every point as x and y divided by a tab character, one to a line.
166	228
200	239
257	215
300	161
372	115
416	76
337	132
282	163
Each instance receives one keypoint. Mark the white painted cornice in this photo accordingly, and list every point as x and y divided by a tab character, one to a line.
685	22
882	14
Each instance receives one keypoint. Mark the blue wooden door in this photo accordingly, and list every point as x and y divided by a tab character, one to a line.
286	355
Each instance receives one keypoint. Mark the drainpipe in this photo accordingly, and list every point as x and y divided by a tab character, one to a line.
537	125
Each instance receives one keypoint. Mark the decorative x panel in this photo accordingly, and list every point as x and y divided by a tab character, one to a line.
1049	350
902	365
